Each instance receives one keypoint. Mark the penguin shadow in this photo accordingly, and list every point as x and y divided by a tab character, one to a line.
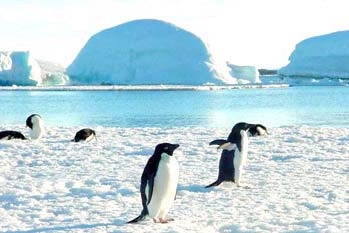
229	228
194	188
82	227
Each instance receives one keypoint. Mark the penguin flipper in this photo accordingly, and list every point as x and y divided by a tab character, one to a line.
146	193
216	183
218	142
147	185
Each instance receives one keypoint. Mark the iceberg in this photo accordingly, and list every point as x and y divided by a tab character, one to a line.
5	61
20	68
147	52
319	60
52	74
244	74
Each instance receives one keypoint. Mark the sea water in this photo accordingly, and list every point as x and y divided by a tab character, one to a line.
317	106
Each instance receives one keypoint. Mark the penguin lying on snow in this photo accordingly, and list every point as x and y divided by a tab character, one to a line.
234	154
10	134
35	123
84	135
159	184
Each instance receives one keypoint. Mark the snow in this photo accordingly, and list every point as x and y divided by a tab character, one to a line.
298	179
148	52
325	56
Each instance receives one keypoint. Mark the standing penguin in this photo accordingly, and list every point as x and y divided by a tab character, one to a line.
36	126
234	152
159	183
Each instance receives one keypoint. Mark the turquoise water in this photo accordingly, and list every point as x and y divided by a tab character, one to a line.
319	106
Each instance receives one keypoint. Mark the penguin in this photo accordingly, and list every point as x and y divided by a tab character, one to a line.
257	130
36	126
159	184
234	154
10	134
84	135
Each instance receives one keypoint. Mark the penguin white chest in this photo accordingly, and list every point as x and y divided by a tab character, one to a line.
165	187
240	157
89	138
38	128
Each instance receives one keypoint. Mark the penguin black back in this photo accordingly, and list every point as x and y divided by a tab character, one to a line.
84	134
226	168
10	134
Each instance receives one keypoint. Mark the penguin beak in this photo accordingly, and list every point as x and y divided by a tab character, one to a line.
172	148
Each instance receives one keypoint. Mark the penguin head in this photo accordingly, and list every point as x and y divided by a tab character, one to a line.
32	119
251	129
165	148
258	130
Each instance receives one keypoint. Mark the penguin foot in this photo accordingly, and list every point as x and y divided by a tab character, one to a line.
162	220
243	186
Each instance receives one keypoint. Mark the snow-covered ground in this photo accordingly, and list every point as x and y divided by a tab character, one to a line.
298	179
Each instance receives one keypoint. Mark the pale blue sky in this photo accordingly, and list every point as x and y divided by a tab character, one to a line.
243	32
